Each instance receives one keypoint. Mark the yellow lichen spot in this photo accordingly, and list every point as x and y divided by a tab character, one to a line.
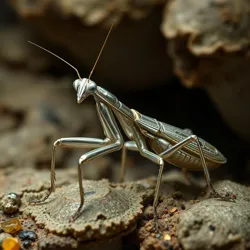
10	243
166	236
11	226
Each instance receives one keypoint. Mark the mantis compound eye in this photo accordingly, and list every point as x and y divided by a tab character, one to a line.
76	84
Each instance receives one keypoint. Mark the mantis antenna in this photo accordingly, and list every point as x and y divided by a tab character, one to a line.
57	57
71	64
98	57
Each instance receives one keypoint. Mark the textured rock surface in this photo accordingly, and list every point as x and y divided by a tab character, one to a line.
107	211
41	112
209	45
17	52
90	12
32	180
224	25
135	54
215	224
188	219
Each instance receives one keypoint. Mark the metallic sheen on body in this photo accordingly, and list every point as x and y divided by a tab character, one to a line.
154	140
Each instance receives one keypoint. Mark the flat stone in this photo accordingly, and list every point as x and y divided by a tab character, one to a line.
215	224
108	209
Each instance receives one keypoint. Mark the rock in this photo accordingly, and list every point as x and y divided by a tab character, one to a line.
238	191
10	203
17	52
11	226
11	243
188	219
46	109
108	210
9	118
209	45
135	53
31	180
43	239
28	235
3	236
89	12
214	224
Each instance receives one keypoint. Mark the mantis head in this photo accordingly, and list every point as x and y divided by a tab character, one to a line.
84	87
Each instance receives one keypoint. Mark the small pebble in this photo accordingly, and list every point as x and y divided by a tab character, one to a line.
148	228
183	207
28	235
3	236
15	197
10	203
11	226
212	227
11	243
165	211
26	243
166	244
158	236
150	216
173	210
166	237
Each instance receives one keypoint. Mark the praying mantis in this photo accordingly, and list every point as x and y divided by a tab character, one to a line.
154	140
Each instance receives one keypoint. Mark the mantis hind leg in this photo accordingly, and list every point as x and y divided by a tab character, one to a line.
178	146
140	145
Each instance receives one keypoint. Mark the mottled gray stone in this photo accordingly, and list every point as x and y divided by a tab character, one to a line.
216	224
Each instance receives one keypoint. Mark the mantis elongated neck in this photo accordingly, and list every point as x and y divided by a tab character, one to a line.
113	102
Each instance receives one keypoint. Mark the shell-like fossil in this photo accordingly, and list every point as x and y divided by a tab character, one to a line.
108	210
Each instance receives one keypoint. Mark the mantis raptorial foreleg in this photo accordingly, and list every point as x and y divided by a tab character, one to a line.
71	142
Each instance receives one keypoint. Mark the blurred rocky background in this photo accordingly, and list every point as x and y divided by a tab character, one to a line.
185	63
